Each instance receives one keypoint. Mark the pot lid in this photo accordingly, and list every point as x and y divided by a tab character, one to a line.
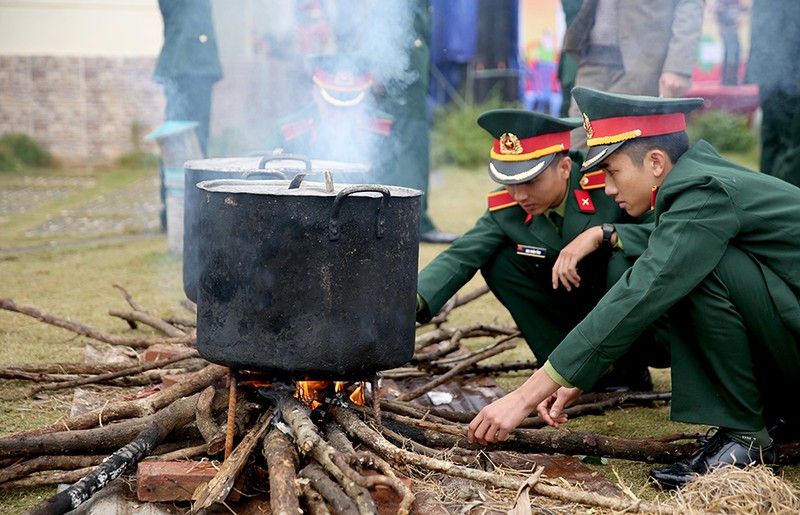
275	162
298	188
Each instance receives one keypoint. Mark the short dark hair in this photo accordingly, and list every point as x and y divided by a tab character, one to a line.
558	157
674	145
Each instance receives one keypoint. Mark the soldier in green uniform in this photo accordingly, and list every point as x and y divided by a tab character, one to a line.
340	123
188	65
773	65
722	260
522	243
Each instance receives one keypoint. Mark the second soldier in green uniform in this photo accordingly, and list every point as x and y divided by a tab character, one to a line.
545	245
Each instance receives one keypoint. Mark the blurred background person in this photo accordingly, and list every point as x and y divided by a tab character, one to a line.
340	123
634	47
728	13
188	65
774	66
408	106
394	40
567	64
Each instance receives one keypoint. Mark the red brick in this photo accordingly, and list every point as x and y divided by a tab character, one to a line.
171	480
161	351
172	379
386	500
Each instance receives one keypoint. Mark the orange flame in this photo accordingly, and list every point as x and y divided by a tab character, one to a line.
313	393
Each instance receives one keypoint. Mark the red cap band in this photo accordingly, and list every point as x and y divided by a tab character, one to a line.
530	148
628	127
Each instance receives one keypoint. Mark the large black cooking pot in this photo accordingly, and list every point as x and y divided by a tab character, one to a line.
307	279
266	166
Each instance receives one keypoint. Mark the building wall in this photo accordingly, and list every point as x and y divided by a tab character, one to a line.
77	75
82	109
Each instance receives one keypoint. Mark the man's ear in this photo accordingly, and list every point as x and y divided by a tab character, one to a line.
565	167
658	162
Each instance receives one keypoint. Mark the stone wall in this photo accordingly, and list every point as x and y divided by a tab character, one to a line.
81	109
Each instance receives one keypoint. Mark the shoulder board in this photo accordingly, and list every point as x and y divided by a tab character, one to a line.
500	200
382	126
593	180
584	200
296	128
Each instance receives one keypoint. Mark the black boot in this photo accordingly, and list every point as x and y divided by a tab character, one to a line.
717	450
633	379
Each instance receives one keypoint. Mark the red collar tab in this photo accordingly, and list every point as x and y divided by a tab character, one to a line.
297	128
510	148
382	126
585	203
500	200
528	218
613	130
593	180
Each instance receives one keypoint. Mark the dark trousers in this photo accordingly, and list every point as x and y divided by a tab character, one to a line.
410	168
734	360
780	133
544	316
189	99
730	58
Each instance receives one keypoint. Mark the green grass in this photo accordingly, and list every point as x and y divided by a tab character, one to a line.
77	283
94	183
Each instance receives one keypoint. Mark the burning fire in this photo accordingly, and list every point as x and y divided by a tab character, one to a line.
313	393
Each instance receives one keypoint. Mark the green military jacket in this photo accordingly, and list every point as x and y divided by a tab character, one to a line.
190	42
511	227
705	204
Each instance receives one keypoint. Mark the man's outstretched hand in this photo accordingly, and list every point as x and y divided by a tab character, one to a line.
496	421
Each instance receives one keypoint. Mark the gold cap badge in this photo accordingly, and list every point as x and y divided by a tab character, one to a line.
587	126
509	144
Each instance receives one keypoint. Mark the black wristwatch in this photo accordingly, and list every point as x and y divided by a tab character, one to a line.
608	230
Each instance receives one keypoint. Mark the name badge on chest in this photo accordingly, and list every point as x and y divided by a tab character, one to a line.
530	251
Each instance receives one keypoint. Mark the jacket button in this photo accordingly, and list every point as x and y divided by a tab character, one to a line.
203	38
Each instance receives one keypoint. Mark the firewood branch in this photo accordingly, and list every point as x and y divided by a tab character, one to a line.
87	331
129	409
455	371
113	375
311	443
282	462
156	323
220	486
358	429
176	415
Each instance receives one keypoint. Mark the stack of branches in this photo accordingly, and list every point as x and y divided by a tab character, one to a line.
328	461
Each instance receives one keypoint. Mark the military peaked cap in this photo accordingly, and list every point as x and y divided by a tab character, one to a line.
525	142
612	119
342	79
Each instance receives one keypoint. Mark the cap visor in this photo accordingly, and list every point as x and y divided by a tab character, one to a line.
597	154
517	172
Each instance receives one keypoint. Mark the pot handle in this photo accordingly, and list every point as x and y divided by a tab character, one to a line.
276	173
269	173
280	157
380	223
300	176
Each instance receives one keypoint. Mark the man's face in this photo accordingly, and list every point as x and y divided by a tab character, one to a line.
543	191
630	184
